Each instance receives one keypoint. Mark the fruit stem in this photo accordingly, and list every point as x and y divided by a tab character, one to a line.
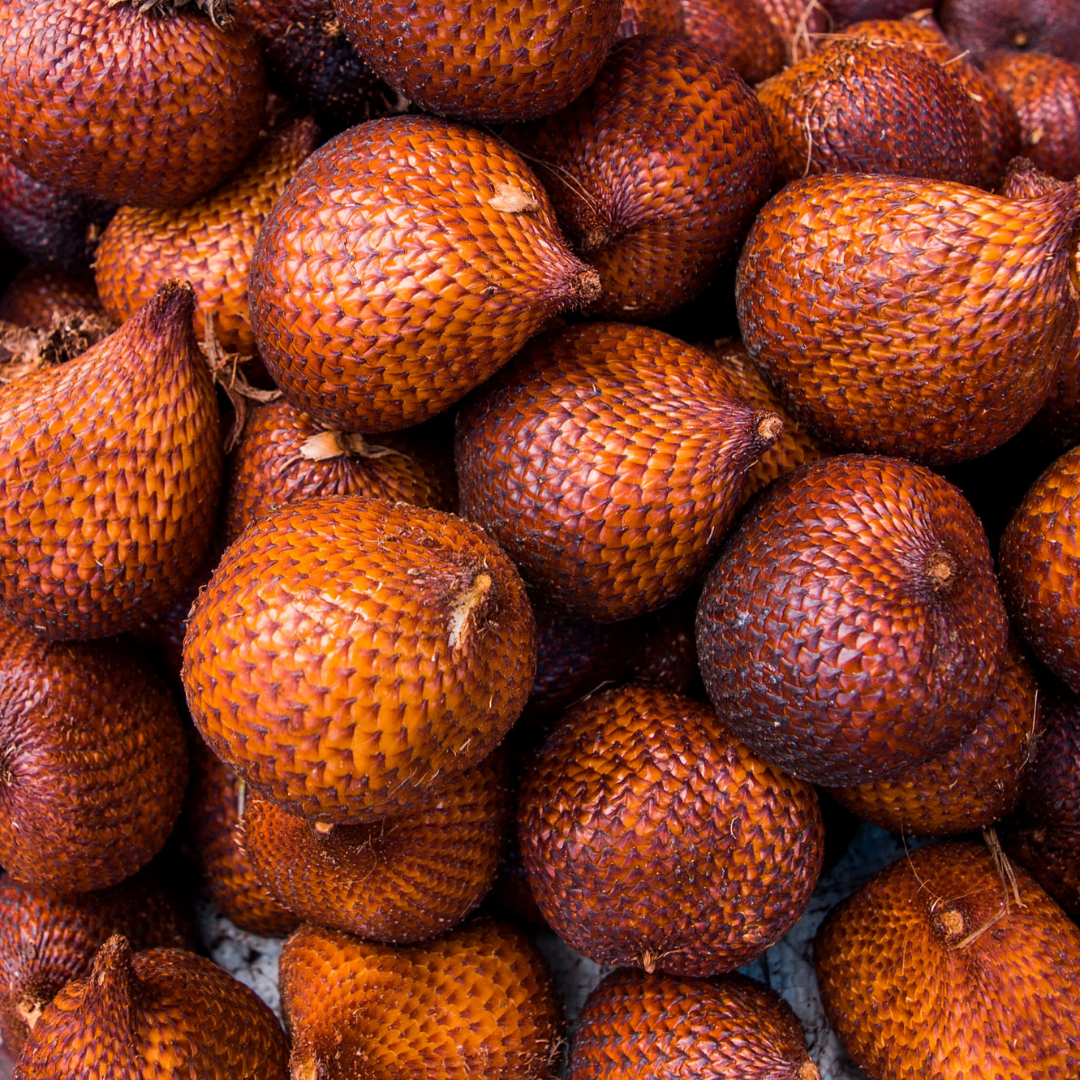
940	567
466	603
769	427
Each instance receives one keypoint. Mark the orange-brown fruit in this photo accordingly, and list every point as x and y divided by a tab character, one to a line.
979	27
401	879
164	1014
141	109
1044	834
94	761
1045	92
478	1004
971	785
1040	568
861	106
110	467
216	804
852	626
47	939
655	172
209	242
798	21
909	317
38	296
650	17
502	61
740	32
406	262
943	966
284	456
646	796
635	1026
349	653
609	461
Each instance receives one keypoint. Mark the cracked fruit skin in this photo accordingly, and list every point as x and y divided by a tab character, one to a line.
910	317
852	626
636	1026
918	982
141	110
478	1004
646	795
609	461
349	653
407	261
164	1014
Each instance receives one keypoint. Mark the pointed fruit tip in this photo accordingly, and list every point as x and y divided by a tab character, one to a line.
588	287
769	427
113	956
170	306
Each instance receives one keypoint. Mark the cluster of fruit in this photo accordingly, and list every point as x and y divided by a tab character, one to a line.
346	408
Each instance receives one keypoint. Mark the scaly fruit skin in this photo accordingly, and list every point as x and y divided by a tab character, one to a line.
739	32
478	1004
979	27
798	21
37	296
47	939
1040	568
657	1027
141	110
650	17
645	795
860	106
852	626
402	879
508	60
110	467
386	282
655	172
165	1014
913	992
971	785
609	461
942	307
209	242
348	653
845	12
94	763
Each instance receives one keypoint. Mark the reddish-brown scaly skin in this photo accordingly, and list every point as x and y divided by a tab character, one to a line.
37	296
798	21
650	17
658	1027
978	27
94	761
47	939
507	60
478	1004
852	626
402	879
644	795
924	319
132	433
845	12
349	653
934	969
740	32
387	282
609	461
94	98
165	1014
210	242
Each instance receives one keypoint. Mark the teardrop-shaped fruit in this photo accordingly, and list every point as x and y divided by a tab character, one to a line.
93	765
478	1004
979	27
609	461
799	23
1044	834
284	456
906	316
406	262
217	802
47	939
400	879
110	467
852	626
971	785
655	172
650	17
496	62
646	796
165	1014
141	109
349	653
942	966
209	242
860	106
738	31
38	296
1045	92
635	1026
1040	568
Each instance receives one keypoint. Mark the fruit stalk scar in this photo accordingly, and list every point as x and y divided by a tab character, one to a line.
465	603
